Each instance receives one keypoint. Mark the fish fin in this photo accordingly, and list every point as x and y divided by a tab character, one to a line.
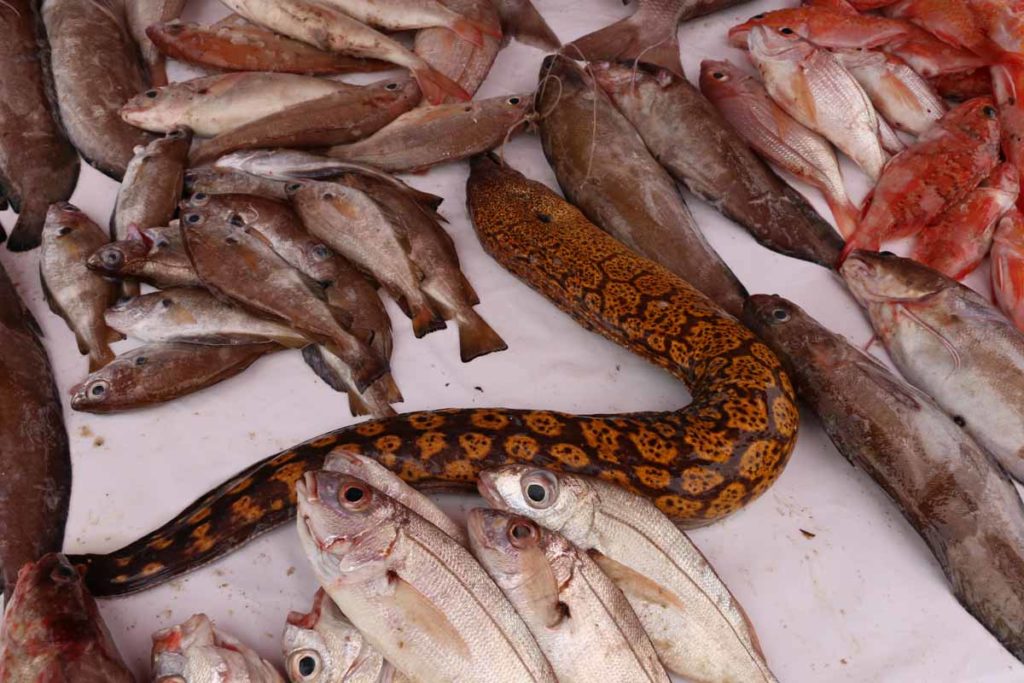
468	290
365	363
891	384
468	30
356	406
946	344
130	288
98	357
394	394
113	335
476	337
426	617
637	37
890	142
634	584
372	402
425	321
522	21
28	229
314	358
845	213
436	86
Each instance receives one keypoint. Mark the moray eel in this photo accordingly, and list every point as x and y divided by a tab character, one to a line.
699	463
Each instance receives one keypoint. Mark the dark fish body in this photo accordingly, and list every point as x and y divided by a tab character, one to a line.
38	166
144	13
521	20
605	169
226	181
149	195
155	256
460	60
948	488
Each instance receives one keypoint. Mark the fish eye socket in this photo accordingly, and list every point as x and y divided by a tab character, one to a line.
391	86
236	220
780	315
519	531
989	112
98	389
112	257
293	187
63	230
141	360
321	252
718	75
786	31
63	573
193	218
540	488
166	303
353	496
514	100
151	94
305	665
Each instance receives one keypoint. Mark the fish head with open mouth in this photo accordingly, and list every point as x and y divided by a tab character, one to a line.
883	277
556	500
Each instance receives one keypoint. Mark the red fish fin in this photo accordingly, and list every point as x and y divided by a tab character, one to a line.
28	229
467	30
639	38
425	321
846	216
476	337
468	290
436	86
522	21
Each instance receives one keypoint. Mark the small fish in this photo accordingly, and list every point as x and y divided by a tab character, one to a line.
951	343
581	620
403	15
934	174
222	180
931	57
196	652
463	62
73	291
698	628
521	20
953	22
142	14
961	238
1008	88
812	86
53	631
963	85
157	373
155	256
1007	259
825	27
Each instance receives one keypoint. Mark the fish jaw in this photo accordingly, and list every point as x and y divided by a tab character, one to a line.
881	277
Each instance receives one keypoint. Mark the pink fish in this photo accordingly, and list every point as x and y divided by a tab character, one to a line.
952	21
825	27
1008	267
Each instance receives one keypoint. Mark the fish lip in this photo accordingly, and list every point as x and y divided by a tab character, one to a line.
489	490
475	527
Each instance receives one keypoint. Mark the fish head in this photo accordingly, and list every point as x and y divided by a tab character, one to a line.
788	328
558	74
791	18
50	588
320	645
976	119
877	278
508	545
106	388
782	44
66	226
720	79
196	651
1010	232
121	257
556	500
160	109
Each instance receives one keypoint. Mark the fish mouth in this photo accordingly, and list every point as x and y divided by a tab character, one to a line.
476	525
487	486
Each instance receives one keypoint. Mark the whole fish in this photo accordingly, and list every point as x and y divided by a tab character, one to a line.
403	15
825	27
73	291
951	343
338	118
953	22
934	174
931	57
947	487
155	256
141	15
216	104
463	62
427	136
521	20
1001	21
157	373
1008	88
962	236
196	652
688	136
53	631
38	166
600	162
222	180
698	628
963	85
96	70
234	47
330	29
1007	258
778	137
812	86
581	620
385	565
37	460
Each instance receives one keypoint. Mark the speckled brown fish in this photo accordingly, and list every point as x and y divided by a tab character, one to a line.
228	181
463	62
155	256
141	15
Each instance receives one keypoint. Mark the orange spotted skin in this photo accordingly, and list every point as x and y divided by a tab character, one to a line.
698	464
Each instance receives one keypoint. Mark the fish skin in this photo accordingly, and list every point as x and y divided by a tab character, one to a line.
144	13
951	343
952	22
651	561
38	165
403	15
197	652
825	27
1008	89
155	256
1001	21
1007	259
931	57
521	20
962	237
53	631
935	173
461	61
581	620
963	85
691	139
95	70
221	180
456	624
157	373
947	487
73	291
600	160
37	461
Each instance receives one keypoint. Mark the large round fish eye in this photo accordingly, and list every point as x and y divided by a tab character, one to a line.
780	315
151	94
354	496
521	533
304	665
540	489
99	388
112	257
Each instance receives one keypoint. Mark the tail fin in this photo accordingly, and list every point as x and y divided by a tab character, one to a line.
891	142
476	337
365	364
521	20
436	86
392	392
846	215
425	321
372	402
641	37
99	357
467	30
28	230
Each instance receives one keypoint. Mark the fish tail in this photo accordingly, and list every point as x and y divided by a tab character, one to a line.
28	230
436	86
425	320
100	357
394	394
372	402
468	30
845	213
476	337
639	37
364	363
522	21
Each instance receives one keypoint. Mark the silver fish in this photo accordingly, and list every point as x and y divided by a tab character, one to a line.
196	652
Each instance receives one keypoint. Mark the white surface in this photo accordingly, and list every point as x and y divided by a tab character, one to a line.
863	600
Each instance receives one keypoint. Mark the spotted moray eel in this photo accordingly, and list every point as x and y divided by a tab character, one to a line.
698	463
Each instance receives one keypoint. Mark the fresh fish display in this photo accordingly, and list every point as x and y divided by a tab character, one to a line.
964	85
53	631
601	161
951	343
1007	259
73	291
144	13
196	652
521	20
222	180
96	69
953	22
463	62
825	27
698	628
948	488
455	624
155	256
403	15
38	166
581	620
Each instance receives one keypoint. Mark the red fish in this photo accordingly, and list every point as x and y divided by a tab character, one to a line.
833	5
825	27
871	4
1002	21
964	85
1008	87
951	21
932	57
1008	267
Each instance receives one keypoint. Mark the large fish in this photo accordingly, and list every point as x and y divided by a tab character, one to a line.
1007	258
222	180
463	62
155	256
403	15
1008	89
825	27
946	486
605	169
196	652
141	15
688	136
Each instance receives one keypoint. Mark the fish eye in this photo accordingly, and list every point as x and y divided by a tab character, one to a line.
718	75
98	389
759	16
354	496
160	243
989	111
193	218
514	100
151	94
141	360
166	303
328	196
520	531
304	665
63	230
236	220
786	31
112	257
540	488
63	573
321	252
780	315
391	86
231	239
293	187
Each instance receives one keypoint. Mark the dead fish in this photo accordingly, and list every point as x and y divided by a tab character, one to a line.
342	117
374	401
53	630
1008	267
521	20
963	85
38	166
403	15
463	62
73	291
196	652
600	162
143	14
157	373
948	488
155	256
222	180
688	136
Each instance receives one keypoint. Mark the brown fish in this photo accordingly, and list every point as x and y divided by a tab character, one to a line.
461	61
521	20
605	169
374	401
141	15
38	166
96	70
226	181
155	256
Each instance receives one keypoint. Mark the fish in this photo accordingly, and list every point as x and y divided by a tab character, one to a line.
432	135
466	64
38	165
155	256
328	28
96	69
197	652
374	401
1008	90
581	620
934	174
36	490
963	85
141	15
221	180
955	23
949	490
812	86
600	160
949	342
697	626
53	631
403	15
931	57
73	291
958	242
867	5
825	27
341	117
1007	259
245	47
1002	22
383	564
521	20
156	373
692	140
